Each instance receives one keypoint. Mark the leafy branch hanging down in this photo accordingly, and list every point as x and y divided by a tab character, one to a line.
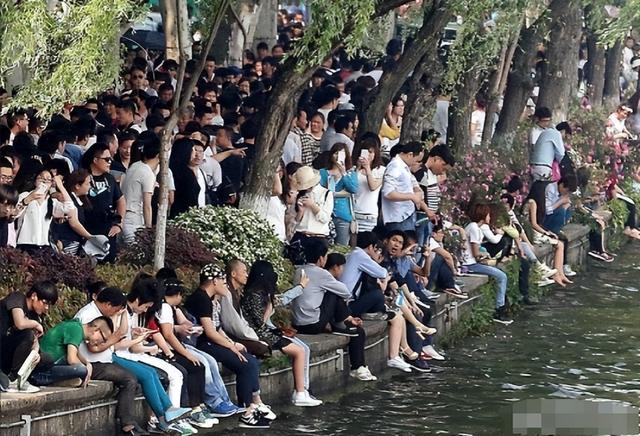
70	53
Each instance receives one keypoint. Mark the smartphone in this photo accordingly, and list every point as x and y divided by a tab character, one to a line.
364	155
341	157
42	189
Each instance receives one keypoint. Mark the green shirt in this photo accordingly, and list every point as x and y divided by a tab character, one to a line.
55	341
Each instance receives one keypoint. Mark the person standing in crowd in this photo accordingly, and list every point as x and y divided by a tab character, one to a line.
137	189
8	202
190	180
108	205
549	148
370	171
310	139
399	200
314	206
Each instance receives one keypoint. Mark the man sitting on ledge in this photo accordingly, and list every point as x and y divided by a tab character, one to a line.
322	308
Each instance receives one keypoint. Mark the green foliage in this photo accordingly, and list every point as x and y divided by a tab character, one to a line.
235	233
183	248
619	213
333	22
70	300
71	53
611	29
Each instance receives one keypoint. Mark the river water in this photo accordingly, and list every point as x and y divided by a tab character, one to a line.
580	342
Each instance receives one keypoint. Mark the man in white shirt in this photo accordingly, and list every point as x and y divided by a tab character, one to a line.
110	302
398	197
137	188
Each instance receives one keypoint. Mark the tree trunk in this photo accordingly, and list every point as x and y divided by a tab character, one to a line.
167	133
377	100
169	12
419	97
273	133
519	84
561	76
594	70
611	95
243	29
459	134
184	32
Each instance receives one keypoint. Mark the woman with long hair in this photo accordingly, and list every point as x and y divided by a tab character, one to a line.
190	180
258	303
339	178
71	232
370	170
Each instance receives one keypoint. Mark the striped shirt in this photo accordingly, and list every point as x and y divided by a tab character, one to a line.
433	195
310	148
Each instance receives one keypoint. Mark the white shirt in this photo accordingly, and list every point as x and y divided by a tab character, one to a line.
397	178
474	236
202	199
211	168
165	314
275	216
33	224
477	120
292	151
317	224
85	315
365	201
133	322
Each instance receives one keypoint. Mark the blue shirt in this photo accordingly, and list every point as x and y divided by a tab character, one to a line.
548	147
349	183
359	262
74	153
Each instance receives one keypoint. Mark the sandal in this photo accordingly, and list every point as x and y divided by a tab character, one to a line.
426	330
456	293
409	353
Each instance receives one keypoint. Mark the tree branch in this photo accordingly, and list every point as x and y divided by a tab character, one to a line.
385	6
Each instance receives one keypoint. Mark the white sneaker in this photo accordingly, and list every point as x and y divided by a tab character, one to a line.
303	399
398	363
266	411
545	282
431	352
363	374
545	271
568	271
26	388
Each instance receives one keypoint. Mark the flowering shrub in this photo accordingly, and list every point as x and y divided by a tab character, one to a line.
183	248
235	233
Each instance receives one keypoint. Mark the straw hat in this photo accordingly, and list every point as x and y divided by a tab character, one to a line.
306	178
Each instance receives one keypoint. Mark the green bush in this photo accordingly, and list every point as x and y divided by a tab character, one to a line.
235	233
183	248
70	300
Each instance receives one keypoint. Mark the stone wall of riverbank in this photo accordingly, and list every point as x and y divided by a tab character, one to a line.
90	411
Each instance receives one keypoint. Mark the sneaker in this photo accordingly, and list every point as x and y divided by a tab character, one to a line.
348	331
430	351
545	282
398	363
182	427
224	410
136	431
174	413
199	419
528	301
568	271
501	317
419	365
25	388
303	399
255	420
456	292
431	295
596	255
544	270
363	374
266	411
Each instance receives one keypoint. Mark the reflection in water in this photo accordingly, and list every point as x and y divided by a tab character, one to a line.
581	342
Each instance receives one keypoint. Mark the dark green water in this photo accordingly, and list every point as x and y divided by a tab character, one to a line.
581	342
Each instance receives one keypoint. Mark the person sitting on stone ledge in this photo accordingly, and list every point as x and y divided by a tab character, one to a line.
20	327
322	308
61	346
368	280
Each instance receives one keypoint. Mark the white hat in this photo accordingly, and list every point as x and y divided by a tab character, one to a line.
306	178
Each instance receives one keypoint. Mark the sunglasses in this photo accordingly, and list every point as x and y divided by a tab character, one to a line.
106	159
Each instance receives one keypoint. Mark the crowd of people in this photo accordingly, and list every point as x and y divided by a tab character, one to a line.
86	181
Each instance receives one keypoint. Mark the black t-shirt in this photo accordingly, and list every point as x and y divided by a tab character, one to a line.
4	232
199	305
104	195
15	300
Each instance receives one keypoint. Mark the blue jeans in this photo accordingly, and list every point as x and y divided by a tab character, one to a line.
423	231
440	275
557	220
343	233
148	378
214	389
407	224
369	301
58	373
498	274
